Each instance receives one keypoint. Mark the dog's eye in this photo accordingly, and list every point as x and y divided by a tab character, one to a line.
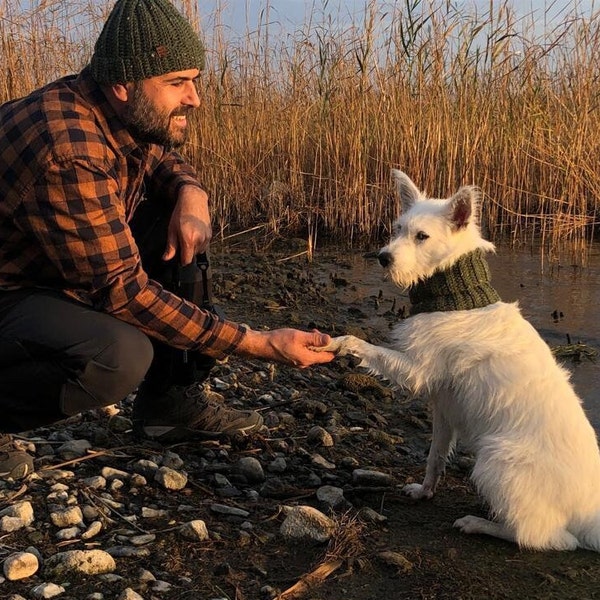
422	236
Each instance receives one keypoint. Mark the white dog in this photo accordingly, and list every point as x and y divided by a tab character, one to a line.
490	379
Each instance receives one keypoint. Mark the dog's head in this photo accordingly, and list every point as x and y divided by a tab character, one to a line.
431	233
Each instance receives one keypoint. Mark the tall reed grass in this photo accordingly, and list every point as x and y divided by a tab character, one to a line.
299	127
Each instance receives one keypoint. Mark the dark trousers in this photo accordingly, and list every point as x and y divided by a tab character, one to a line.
59	357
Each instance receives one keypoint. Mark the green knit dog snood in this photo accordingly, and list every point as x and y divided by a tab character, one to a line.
465	285
143	39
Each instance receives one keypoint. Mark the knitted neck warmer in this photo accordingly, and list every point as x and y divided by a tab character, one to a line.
462	286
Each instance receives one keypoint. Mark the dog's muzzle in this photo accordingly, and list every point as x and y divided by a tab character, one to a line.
385	259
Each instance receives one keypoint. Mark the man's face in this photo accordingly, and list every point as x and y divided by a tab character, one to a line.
157	108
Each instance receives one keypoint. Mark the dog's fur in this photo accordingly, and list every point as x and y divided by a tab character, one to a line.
492	381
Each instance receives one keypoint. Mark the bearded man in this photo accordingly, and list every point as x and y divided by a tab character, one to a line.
102	222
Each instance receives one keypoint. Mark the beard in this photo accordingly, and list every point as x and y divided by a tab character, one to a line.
148	124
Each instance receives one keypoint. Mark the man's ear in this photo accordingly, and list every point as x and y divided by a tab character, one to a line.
120	91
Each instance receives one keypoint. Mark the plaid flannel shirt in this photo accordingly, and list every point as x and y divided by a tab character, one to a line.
71	177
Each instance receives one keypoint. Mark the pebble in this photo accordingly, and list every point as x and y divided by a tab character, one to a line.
194	530
66	517
86	562
74	449
331	496
172	460
318	461
129	594
277	465
16	517
110	473
92	531
170	479
20	565
47	590
154	513
318	436
306	522
251	469
367	477
128	552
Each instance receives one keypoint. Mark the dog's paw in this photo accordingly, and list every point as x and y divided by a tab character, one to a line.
469	524
342	346
417	491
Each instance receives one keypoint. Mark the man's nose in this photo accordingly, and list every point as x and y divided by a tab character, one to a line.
191	98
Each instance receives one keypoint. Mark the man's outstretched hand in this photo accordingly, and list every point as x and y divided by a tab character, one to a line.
288	346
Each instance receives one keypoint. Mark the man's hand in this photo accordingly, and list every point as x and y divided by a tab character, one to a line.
189	228
289	346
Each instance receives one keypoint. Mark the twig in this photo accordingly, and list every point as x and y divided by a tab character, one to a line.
115	511
279	260
92	454
309	581
20	492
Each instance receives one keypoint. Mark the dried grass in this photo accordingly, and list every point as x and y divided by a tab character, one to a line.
299	130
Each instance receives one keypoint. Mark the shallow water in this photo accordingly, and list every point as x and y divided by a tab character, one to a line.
541	290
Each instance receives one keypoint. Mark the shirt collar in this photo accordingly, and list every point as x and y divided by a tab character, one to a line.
109	122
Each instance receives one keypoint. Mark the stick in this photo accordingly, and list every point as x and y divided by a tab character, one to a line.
309	581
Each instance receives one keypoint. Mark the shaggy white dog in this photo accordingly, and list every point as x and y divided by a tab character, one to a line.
490	379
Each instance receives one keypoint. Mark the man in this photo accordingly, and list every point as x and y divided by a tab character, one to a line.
101	222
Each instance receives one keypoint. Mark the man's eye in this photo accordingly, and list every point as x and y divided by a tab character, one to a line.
422	236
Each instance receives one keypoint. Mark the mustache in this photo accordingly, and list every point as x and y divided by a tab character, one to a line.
181	112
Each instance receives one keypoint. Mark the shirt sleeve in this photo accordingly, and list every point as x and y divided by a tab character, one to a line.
169	172
76	215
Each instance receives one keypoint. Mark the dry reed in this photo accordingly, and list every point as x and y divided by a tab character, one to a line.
299	129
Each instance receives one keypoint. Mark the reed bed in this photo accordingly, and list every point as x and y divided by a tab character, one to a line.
300	126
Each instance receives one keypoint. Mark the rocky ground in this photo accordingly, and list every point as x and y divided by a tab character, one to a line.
310	507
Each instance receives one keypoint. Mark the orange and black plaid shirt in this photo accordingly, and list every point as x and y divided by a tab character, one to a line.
71	177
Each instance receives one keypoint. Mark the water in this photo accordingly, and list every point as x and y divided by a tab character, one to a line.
541	289
572	291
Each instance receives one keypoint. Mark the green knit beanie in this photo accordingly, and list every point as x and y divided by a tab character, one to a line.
142	39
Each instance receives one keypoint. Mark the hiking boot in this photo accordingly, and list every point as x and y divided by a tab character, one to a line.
187	413
14	463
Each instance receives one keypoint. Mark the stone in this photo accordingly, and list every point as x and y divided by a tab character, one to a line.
318	436
67	516
331	496
251	469
194	530
129	594
20	565
306	522
73	449
369	478
170	479
87	562
16	517
47	590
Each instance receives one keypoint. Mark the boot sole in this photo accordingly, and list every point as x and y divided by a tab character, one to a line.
170	433
18	472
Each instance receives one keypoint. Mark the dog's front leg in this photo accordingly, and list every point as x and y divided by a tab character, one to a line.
442	443
389	363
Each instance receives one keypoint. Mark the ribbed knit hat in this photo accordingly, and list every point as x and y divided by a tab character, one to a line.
142	39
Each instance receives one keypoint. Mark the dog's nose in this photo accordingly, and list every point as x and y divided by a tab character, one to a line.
385	259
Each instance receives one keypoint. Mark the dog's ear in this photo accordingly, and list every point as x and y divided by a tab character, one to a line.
406	189
463	207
